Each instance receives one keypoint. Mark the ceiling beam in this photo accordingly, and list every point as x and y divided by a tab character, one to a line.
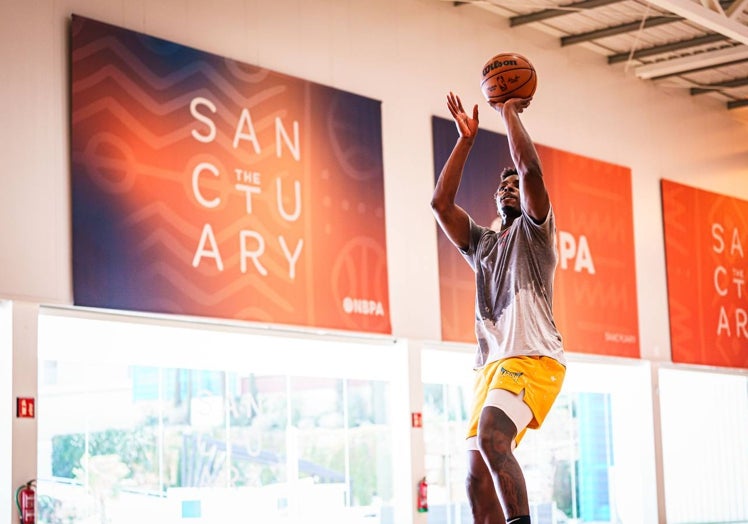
617	30
699	69
705	18
692	62
736	8
737	103
545	14
713	5
719	86
667	48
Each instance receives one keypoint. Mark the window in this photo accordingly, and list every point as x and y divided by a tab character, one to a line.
7	412
188	423
705	456
579	467
447	392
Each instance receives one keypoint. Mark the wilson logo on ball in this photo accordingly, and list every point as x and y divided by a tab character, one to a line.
497	64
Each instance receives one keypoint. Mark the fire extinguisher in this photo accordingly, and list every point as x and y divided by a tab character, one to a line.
26	502
423	500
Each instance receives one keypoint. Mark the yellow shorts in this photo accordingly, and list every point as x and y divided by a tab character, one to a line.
541	379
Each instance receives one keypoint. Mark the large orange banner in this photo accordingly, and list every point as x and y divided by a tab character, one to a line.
706	235
595	298
206	186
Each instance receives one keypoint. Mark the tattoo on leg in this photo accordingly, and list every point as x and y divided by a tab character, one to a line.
484	501
497	432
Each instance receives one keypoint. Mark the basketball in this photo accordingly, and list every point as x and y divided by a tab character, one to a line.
508	75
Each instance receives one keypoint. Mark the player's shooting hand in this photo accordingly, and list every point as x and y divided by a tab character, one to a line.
513	104
466	126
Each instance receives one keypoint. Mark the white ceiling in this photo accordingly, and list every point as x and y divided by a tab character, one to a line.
699	46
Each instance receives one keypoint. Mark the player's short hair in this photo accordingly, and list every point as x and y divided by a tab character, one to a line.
505	173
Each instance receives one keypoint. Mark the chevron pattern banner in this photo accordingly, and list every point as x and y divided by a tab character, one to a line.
206	186
706	243
595	298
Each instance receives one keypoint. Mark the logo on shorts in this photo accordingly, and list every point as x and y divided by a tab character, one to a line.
515	375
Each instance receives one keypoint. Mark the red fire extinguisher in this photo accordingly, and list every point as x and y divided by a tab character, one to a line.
423	499
26	502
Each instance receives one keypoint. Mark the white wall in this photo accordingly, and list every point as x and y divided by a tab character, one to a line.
406	53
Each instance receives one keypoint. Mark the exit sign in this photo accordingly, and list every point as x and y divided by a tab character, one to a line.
25	407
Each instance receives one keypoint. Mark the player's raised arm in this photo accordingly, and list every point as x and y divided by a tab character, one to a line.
453	220
533	193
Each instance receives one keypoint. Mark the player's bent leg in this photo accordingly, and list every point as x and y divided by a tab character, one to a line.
484	502
496	432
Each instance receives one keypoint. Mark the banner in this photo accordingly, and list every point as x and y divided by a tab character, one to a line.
706	236
595	299
206	186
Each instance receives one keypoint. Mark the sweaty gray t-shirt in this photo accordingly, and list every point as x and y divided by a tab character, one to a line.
514	271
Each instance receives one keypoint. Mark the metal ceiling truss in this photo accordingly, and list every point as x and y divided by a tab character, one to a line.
700	46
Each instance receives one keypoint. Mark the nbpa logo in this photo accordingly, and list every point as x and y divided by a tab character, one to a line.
360	306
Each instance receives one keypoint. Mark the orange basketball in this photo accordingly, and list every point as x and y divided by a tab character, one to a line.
508	75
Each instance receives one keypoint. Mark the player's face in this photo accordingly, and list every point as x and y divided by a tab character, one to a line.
507	197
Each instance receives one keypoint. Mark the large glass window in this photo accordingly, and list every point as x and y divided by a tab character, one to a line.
447	389
6	410
185	424
705	451
592	461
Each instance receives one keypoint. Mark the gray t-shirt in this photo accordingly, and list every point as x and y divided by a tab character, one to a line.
514	271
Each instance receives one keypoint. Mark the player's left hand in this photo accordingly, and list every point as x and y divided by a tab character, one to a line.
466	126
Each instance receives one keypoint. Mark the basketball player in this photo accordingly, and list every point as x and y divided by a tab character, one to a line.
519	362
